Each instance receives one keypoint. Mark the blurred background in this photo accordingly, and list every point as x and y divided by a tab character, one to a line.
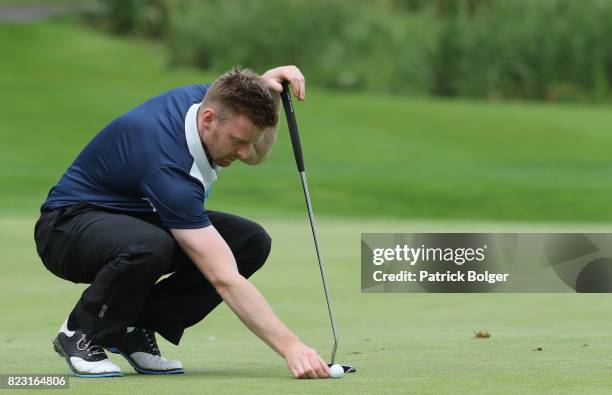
443	109
420	116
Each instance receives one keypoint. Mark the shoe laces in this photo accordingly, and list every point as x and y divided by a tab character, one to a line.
84	344
150	336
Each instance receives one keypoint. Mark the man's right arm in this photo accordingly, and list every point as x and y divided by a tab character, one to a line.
213	257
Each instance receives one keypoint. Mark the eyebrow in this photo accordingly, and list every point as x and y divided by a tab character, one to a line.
239	140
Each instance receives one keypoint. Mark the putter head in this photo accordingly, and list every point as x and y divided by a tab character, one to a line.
347	368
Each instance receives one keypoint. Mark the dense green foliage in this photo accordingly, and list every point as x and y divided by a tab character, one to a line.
550	49
553	50
368	155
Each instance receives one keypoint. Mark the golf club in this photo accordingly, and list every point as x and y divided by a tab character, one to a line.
299	160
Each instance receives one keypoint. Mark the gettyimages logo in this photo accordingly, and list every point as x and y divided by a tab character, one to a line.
433	262
412	256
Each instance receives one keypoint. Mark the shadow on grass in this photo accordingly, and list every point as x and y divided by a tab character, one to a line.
212	373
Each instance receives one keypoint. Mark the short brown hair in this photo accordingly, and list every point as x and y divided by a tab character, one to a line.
242	92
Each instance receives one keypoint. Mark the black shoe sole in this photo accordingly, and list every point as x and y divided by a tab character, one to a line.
58	349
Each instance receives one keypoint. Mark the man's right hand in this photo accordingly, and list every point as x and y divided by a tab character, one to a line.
304	363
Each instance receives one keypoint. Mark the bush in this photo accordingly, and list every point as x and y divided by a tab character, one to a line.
341	44
142	17
546	49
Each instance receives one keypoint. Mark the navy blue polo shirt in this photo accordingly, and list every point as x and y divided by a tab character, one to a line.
148	159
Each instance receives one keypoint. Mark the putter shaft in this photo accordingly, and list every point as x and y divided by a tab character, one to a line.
313	226
299	161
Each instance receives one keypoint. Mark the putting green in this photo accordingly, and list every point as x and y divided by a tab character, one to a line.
418	343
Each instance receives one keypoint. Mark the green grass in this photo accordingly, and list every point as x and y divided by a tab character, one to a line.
366	155
401	343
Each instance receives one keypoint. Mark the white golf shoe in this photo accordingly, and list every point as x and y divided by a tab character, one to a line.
139	348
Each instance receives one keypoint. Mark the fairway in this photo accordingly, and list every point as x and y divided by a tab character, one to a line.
399	342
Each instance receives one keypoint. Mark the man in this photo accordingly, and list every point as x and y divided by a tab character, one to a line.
130	209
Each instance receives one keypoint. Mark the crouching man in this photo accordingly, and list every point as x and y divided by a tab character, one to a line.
131	209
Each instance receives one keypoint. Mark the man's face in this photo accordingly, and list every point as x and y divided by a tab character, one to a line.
230	139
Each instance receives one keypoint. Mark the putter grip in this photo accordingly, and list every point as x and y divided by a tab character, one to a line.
293	129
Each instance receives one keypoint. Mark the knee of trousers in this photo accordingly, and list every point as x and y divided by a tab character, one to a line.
260	244
153	252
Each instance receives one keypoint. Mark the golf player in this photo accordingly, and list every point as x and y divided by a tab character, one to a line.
131	209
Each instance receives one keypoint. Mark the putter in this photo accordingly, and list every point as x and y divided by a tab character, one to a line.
299	160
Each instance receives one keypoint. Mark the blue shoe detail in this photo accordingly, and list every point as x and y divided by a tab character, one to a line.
91	376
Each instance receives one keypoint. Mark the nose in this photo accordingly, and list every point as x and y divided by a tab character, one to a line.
244	152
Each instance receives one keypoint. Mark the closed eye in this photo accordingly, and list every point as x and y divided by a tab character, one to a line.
238	141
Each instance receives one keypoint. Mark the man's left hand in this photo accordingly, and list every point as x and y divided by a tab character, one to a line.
275	77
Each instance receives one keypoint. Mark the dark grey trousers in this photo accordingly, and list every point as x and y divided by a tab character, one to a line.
123	256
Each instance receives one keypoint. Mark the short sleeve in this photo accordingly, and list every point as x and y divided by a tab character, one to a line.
177	197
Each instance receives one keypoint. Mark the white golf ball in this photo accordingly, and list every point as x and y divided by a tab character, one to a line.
336	371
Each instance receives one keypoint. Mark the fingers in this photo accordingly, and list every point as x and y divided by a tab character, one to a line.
298	82
301	371
299	88
310	366
297	368
291	74
309	370
275	86
320	367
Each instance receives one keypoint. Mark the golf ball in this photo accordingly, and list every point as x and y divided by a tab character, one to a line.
336	371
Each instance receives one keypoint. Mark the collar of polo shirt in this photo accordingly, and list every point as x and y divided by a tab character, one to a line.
201	168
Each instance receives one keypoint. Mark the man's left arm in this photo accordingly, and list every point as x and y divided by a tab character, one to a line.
274	79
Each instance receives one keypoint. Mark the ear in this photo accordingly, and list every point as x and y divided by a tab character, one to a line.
209	115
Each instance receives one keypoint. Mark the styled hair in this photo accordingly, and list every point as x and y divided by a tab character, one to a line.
242	92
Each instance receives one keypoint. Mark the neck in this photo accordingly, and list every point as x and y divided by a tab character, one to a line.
200	128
